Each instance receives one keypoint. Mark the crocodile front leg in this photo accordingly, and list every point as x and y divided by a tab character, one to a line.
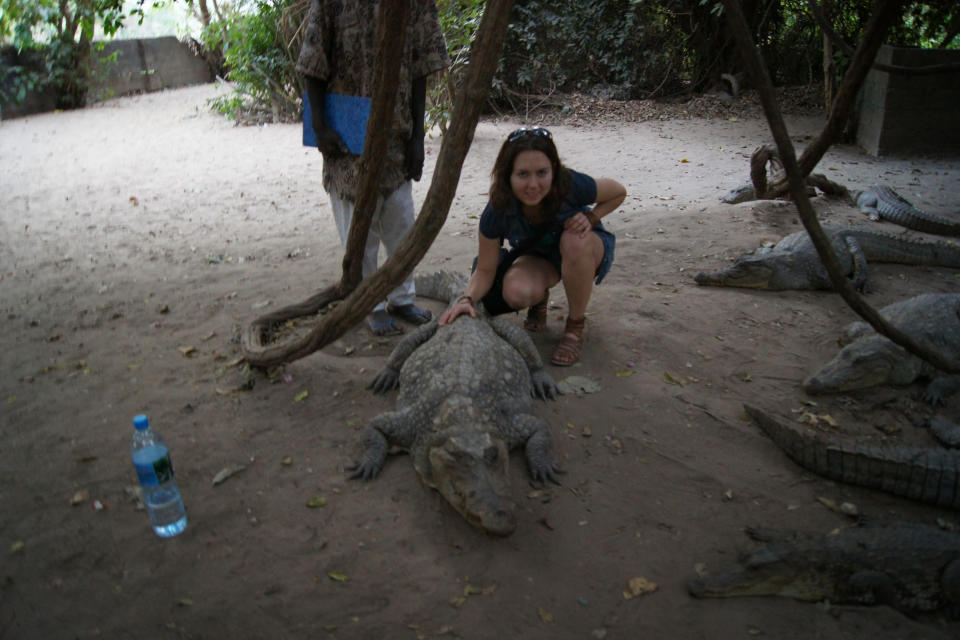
395	428
867	203
940	388
389	376
543	384
535	433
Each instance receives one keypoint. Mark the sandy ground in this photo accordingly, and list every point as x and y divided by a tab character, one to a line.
146	225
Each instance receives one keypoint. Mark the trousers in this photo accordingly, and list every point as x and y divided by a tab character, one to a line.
391	221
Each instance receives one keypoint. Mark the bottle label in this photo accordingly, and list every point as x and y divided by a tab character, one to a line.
155	472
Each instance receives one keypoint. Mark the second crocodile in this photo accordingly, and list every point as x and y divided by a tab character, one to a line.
465	400
912	567
793	263
869	359
882	202
930	475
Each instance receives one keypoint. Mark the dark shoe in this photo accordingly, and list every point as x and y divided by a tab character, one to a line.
380	324
411	313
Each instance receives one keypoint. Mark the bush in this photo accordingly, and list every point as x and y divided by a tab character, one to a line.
259	42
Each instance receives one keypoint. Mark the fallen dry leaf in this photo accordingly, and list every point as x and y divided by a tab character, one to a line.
639	587
545	615
316	501
671	380
226	472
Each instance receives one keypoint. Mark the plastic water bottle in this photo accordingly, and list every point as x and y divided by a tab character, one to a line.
151	459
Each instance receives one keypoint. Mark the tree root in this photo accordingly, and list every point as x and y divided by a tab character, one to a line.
256	337
762	188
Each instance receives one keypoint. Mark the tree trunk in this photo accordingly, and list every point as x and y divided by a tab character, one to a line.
884	14
204	13
882	17
829	68
485	53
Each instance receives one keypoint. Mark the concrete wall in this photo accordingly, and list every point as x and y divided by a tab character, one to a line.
902	113
145	65
152	65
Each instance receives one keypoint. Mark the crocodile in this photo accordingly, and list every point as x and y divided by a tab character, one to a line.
911	566
793	263
869	359
882	202
465	400
930	475
747	193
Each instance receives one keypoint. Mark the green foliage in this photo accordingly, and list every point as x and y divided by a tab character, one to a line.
259	42
935	25
459	20
620	48
60	33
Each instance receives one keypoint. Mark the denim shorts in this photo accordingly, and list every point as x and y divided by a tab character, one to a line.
494	303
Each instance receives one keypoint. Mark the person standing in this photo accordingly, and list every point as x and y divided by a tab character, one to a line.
337	59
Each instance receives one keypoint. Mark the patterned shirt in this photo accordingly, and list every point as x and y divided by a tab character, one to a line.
340	47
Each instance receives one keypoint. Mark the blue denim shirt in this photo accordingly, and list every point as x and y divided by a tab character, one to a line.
512	226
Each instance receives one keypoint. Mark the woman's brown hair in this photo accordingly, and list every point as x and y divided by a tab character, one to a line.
537	139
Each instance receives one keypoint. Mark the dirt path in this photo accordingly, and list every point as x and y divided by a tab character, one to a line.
146	225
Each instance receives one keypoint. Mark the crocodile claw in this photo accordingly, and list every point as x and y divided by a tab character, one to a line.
543	386
365	470
386	380
547	472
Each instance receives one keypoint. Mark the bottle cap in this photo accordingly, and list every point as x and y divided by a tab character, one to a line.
140	422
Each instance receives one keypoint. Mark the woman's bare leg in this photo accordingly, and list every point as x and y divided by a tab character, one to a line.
527	281
581	257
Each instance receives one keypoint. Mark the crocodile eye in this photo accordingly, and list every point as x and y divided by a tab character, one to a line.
491	454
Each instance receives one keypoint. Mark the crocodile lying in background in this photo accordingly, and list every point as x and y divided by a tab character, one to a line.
879	202
925	474
869	359
465	400
793	263
882	202
910	566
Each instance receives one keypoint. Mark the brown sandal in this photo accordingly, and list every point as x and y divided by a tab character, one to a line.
537	315
568	351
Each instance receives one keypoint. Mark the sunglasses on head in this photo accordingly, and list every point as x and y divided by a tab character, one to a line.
523	132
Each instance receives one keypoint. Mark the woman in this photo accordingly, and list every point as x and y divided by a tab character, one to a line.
543	209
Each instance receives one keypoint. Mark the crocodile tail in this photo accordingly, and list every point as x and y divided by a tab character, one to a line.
927	223
898	210
928	475
445	286
885	247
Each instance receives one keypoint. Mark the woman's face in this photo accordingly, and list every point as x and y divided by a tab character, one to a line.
531	178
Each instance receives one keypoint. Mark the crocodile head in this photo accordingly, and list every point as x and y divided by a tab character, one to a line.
751	272
469	467
769	270
743	193
765	573
868	362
